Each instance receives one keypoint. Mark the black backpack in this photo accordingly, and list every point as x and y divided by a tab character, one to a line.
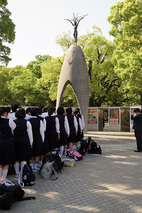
11	194
93	147
58	162
28	177
83	146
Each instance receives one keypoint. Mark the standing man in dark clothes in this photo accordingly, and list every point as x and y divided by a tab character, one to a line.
137	126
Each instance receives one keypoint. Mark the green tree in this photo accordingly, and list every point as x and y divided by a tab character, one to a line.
126	20
104	82
7	33
5	92
35	66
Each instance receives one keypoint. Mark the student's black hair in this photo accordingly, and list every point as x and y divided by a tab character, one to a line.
34	111
137	110
2	110
28	110
8	109
41	106
76	111
14	107
50	111
39	110
20	113
69	110
45	109
60	110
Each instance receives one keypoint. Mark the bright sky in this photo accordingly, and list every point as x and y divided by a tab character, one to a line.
38	22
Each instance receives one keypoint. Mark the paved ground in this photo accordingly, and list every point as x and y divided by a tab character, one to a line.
107	183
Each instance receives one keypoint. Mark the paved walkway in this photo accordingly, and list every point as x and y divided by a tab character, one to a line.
107	183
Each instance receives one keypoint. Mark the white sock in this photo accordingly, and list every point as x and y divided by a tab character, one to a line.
61	150
16	166
78	144
0	173
4	174
40	163
36	165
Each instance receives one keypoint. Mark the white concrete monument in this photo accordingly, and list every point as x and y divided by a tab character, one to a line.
74	72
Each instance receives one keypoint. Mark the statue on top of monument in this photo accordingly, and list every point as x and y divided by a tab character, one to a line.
75	22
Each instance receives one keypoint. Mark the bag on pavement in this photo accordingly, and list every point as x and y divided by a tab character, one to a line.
69	162
48	168
11	194
83	147
28	177
74	154
93	147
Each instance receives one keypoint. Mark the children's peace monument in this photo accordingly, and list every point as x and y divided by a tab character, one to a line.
74	72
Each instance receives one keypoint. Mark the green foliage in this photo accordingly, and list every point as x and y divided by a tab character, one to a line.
7	33
116	73
126	18
5	93
65	41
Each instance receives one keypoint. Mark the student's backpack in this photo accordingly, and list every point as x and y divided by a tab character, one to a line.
68	162
74	154
58	162
28	177
51	165
47	170
83	147
11	194
94	148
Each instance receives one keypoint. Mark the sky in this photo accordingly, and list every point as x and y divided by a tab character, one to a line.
39	22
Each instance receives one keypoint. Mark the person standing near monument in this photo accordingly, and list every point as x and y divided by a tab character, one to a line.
137	126
64	130
52	132
7	154
73	127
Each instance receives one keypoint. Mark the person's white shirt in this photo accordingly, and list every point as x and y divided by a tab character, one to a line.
12	116
66	125
80	124
28	117
83	123
30	132
44	114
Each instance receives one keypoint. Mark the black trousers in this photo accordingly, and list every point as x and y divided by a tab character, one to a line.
138	135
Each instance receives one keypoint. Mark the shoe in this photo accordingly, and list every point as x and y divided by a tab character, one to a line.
137	151
9	183
1	181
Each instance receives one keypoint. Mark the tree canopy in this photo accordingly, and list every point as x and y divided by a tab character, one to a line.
116	73
126	20
7	32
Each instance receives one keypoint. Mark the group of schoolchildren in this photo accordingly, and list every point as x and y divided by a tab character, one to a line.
26	135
